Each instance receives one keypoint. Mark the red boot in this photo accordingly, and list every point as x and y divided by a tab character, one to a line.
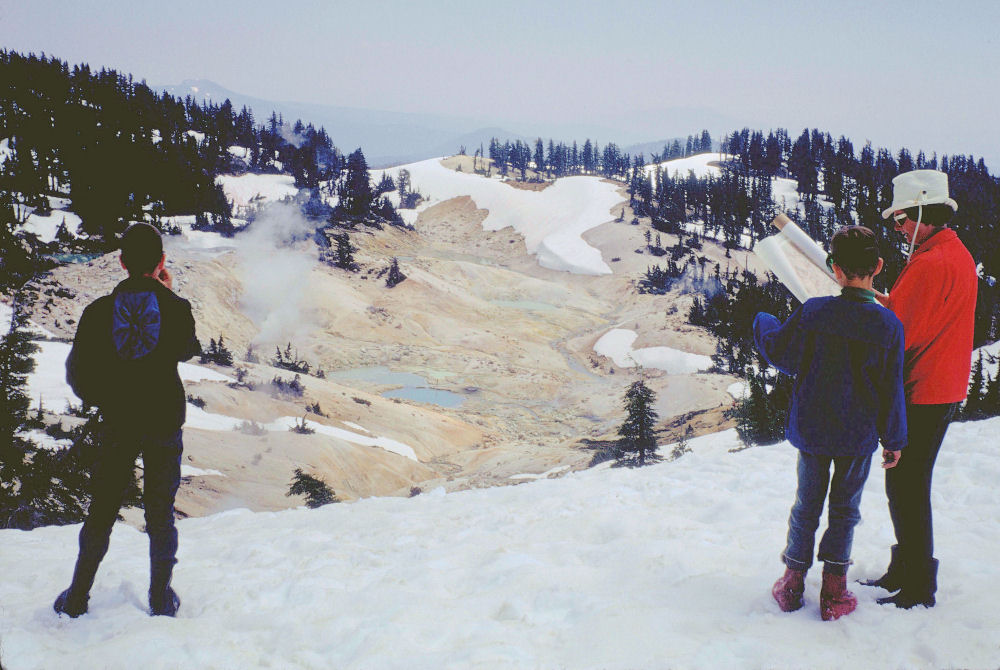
835	600
788	590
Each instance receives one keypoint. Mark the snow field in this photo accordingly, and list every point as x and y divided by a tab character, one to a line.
46	226
6	313
551	220
616	344
664	566
698	163
240	190
199	418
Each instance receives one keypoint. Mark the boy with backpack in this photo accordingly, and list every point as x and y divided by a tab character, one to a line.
124	361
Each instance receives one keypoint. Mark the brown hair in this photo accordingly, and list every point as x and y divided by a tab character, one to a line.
855	250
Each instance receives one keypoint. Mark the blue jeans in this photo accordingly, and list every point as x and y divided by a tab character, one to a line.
849	475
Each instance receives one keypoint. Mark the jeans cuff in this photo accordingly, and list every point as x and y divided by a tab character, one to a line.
795	564
836	567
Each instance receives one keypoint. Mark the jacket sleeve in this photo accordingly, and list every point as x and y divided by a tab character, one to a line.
190	345
780	343
892	399
83	365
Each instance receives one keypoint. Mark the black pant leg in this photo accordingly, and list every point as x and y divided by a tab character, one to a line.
908	485
109	482
161	478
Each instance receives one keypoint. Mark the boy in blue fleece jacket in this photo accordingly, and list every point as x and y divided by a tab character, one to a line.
846	354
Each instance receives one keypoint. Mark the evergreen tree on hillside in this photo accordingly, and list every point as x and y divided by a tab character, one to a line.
38	486
394	276
991	399
637	441
217	353
356	194
761	416
343	254
16	363
973	407
316	491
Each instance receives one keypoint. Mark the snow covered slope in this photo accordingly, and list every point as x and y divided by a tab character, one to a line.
617	343
665	566
242	189
551	220
703	165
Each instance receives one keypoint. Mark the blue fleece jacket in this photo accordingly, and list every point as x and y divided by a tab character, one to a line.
846	354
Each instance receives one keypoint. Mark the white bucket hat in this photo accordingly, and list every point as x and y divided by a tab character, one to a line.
917	188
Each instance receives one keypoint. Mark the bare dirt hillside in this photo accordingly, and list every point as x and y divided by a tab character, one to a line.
476	317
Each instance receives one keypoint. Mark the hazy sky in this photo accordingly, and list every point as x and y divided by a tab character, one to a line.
919	74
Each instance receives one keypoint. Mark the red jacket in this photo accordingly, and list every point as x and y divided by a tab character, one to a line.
935	298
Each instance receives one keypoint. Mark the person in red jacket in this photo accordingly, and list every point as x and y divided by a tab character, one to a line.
935	299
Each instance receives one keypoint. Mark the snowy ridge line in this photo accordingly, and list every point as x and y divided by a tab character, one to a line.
199	418
543	475
192	471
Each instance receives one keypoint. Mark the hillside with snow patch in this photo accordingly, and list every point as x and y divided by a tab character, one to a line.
551	220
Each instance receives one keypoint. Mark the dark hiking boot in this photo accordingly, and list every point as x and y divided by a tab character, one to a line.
919	587
788	590
164	603
73	601
70	604
892	580
835	600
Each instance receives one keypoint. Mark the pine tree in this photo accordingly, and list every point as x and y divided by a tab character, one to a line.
356	194
395	275
217	353
344	254
316	491
16	363
991	399
974	400
637	440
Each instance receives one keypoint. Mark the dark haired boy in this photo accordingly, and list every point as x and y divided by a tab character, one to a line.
124	361
846	354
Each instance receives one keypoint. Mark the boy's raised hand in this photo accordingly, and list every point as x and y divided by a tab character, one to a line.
890	459
165	278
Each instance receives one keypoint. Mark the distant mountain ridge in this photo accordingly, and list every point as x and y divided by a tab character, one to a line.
393	138
387	138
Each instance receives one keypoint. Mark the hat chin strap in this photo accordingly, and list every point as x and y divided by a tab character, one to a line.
916	229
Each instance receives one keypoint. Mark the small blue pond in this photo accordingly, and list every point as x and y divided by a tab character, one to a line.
74	258
414	387
427	395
